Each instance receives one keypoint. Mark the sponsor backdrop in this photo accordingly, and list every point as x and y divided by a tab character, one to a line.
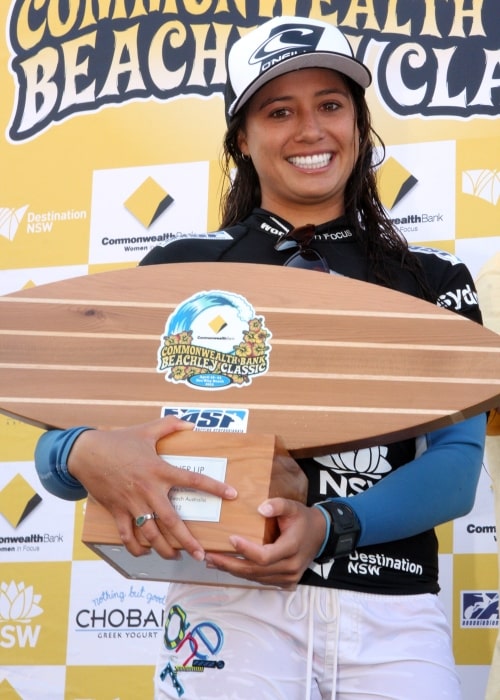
111	114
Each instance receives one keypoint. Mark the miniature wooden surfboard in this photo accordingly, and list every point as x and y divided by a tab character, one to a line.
326	362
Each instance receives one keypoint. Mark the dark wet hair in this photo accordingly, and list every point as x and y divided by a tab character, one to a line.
385	247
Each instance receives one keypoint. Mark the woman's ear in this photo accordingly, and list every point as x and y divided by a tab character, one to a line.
241	140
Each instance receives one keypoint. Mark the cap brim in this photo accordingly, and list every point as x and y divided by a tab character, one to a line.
321	59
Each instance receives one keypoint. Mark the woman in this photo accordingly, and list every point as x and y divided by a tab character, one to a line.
365	620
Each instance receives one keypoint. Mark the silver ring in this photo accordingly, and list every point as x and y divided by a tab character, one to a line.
141	519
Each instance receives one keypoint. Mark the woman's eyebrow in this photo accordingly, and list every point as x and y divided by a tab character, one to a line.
272	100
285	98
334	91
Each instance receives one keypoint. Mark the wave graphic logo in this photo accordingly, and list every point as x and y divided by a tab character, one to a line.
484	184
18	606
10	219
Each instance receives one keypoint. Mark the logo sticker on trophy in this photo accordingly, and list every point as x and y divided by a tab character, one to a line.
214	340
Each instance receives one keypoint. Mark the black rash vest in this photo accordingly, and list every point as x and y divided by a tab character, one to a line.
404	566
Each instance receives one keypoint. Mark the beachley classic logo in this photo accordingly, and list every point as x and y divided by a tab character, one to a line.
214	340
429	59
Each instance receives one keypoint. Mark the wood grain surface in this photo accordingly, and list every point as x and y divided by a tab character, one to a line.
351	363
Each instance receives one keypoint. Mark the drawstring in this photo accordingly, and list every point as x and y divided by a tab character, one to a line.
305	596
310	601
336	613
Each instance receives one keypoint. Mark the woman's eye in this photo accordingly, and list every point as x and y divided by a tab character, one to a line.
331	106
279	113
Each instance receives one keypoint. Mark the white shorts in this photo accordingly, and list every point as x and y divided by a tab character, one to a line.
312	644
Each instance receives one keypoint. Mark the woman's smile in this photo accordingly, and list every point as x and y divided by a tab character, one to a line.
311	162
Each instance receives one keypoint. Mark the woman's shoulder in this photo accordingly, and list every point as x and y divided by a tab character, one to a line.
194	247
435	256
451	279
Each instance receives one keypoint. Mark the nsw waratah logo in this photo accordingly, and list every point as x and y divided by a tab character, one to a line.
370	460
19	604
289	41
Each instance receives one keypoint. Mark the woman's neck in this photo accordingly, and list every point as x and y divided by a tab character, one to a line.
300	215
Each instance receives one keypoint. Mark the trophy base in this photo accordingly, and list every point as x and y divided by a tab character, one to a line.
258	466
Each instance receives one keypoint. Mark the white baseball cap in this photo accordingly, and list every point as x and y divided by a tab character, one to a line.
282	45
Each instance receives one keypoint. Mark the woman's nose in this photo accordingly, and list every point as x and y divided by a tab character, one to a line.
310	127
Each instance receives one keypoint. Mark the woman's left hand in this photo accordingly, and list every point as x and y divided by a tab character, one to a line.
282	563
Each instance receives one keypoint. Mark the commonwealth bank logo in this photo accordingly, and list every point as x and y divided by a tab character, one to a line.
148	202
10	219
394	182
17	500
484	184
8	692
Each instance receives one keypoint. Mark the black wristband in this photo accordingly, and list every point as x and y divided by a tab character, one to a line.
344	531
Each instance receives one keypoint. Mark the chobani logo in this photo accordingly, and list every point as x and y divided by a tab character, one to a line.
19	605
214	340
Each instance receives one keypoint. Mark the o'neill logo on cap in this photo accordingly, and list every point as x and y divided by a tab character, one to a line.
288	41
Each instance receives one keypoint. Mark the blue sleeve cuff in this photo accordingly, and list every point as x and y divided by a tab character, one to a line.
328	521
51	462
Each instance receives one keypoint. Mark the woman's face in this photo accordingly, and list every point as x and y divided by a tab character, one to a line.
300	132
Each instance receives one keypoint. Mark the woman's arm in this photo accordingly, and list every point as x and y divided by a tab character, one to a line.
51	462
121	469
436	487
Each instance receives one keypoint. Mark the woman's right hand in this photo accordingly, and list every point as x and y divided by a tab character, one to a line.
122	471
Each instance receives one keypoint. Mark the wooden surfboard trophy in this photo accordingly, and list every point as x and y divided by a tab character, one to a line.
268	365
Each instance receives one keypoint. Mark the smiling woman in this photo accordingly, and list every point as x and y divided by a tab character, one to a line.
347	592
302	138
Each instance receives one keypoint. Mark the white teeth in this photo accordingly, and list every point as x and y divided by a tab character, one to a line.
318	160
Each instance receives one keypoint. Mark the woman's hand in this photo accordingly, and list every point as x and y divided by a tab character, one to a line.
282	563
121	469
